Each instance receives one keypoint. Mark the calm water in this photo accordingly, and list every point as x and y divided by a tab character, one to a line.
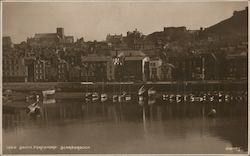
127	128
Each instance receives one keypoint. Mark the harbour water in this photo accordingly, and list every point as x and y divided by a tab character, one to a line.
77	126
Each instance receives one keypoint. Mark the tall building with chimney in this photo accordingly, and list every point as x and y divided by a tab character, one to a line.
50	39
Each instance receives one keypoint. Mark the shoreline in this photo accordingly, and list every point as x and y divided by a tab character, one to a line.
169	86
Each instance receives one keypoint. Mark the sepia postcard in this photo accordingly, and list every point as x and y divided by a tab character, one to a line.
124	77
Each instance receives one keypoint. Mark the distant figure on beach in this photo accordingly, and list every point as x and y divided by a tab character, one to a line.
212	112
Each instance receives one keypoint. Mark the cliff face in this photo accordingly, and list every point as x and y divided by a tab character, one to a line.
169	34
237	25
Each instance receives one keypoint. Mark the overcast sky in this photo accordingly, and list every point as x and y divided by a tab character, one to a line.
95	20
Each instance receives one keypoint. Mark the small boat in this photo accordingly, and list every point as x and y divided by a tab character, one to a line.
196	99
212	113
104	97
151	91
47	93
88	95
172	98
204	96
142	91
122	96
178	98
165	97
227	97
95	96
185	98
115	98
128	97
49	101
211	98
33	108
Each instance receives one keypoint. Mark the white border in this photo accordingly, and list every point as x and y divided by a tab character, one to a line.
115	1
1	49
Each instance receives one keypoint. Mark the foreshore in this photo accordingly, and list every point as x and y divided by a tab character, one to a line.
169	86
75	90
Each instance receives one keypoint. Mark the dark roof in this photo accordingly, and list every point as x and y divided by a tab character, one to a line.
46	35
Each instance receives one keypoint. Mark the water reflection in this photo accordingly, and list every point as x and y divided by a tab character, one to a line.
170	125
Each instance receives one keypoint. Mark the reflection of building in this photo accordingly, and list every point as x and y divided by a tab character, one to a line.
97	68
14	70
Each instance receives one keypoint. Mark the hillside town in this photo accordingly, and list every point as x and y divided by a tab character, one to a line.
171	54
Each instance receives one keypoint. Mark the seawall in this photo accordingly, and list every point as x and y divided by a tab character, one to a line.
166	86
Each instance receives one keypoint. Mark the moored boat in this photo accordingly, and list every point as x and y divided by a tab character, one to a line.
151	91
142	91
49	101
95	96
104	97
115	98
47	93
33	108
